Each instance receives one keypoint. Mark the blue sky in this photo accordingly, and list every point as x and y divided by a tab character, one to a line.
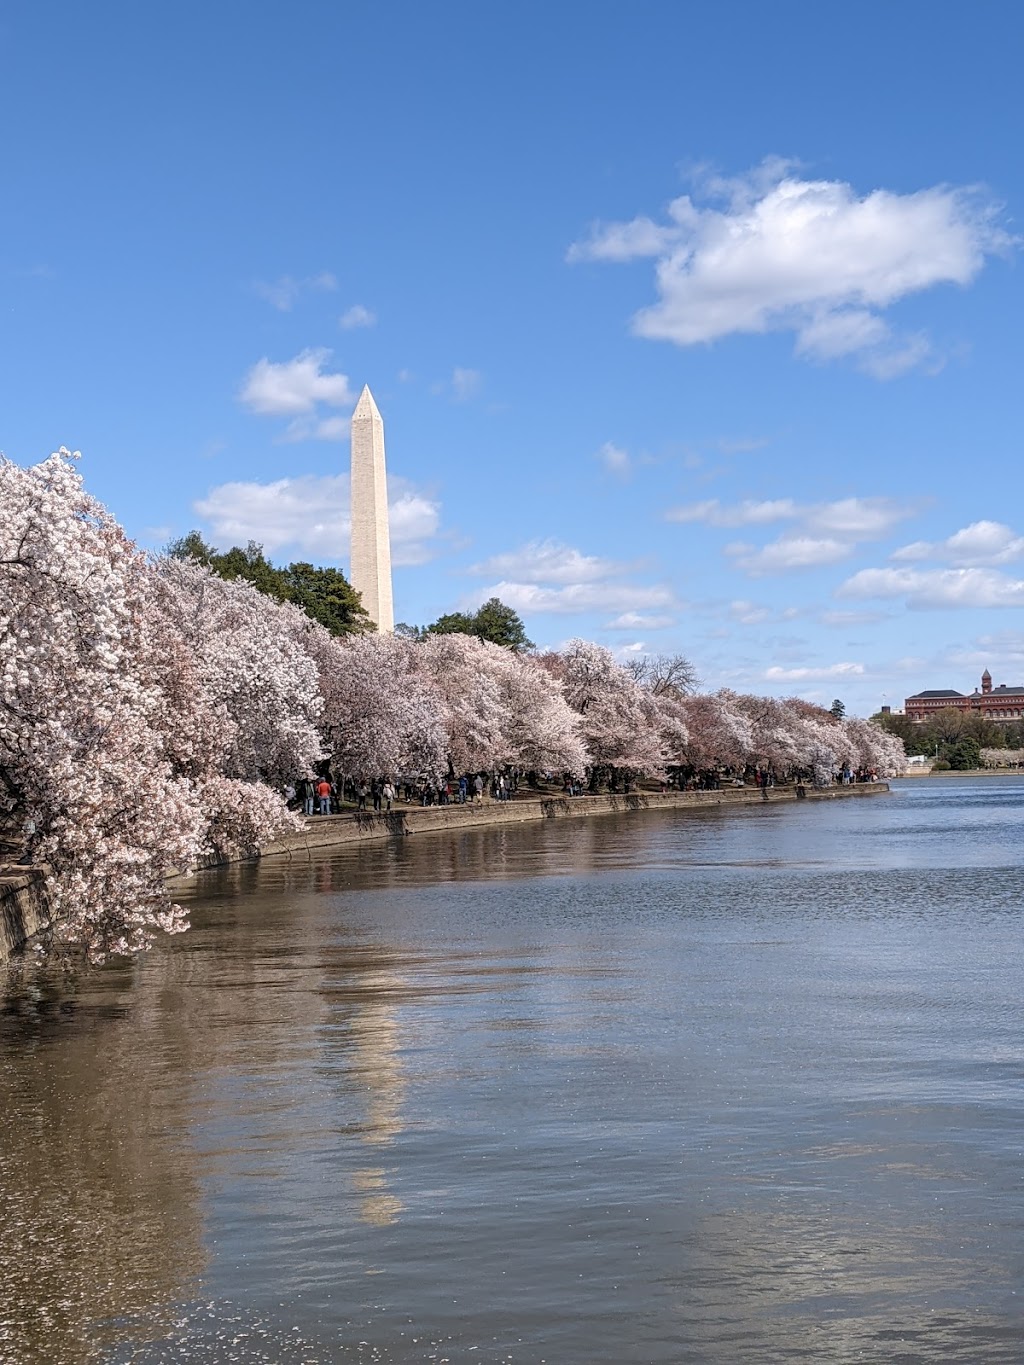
693	327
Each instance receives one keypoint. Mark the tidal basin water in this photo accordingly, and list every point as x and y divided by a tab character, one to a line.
742	1086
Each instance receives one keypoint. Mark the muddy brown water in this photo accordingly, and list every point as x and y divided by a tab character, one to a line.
724	1087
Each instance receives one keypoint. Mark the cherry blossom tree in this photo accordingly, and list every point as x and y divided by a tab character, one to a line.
543	730
501	708
382	716
618	718
147	712
81	761
720	734
460	671
243	698
875	749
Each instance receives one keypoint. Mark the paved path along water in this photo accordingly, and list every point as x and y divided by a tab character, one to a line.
737	1086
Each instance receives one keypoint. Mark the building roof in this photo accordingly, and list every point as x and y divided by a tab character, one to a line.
1003	690
940	692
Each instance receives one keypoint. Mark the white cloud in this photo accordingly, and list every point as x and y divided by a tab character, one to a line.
846	619
283	293
635	620
787	553
772	252
857	518
549	576
933	588
847	518
624	241
295	387
356	316
748	513
316	429
826	532
843	670
749	613
548	561
614	458
981	543
465	383
310	514
576	597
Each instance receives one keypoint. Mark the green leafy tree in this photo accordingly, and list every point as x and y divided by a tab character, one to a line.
916	739
837	710
493	621
324	594
964	754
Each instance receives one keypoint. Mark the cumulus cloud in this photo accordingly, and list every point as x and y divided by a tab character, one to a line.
356	316
283	293
748	513
576	597
842	670
857	518
635	620
548	561
771	252
936	588
311	514
846	518
295	387
749	613
316	429
549	576
788	553
823	533
981	543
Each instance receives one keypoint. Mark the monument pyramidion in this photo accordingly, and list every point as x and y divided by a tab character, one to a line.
370	570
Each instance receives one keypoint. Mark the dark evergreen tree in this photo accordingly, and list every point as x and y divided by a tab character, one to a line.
324	594
493	621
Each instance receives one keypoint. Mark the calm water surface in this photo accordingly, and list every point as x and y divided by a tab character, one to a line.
732	1087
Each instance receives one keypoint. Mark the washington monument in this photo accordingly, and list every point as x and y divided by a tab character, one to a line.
371	539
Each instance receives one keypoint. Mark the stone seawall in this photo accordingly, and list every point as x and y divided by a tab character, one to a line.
22	908
334	831
23	904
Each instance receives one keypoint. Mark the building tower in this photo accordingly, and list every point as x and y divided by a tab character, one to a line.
986	683
370	567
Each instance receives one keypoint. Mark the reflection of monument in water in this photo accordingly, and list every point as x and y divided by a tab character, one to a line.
370	564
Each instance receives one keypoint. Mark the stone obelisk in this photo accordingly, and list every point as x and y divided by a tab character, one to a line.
371	538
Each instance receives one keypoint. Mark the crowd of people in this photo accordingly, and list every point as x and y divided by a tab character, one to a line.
324	795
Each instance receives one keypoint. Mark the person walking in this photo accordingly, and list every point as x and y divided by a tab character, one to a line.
463	789
478	789
323	791
361	796
307	790
387	794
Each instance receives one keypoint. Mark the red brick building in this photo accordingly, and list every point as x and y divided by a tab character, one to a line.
1000	703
